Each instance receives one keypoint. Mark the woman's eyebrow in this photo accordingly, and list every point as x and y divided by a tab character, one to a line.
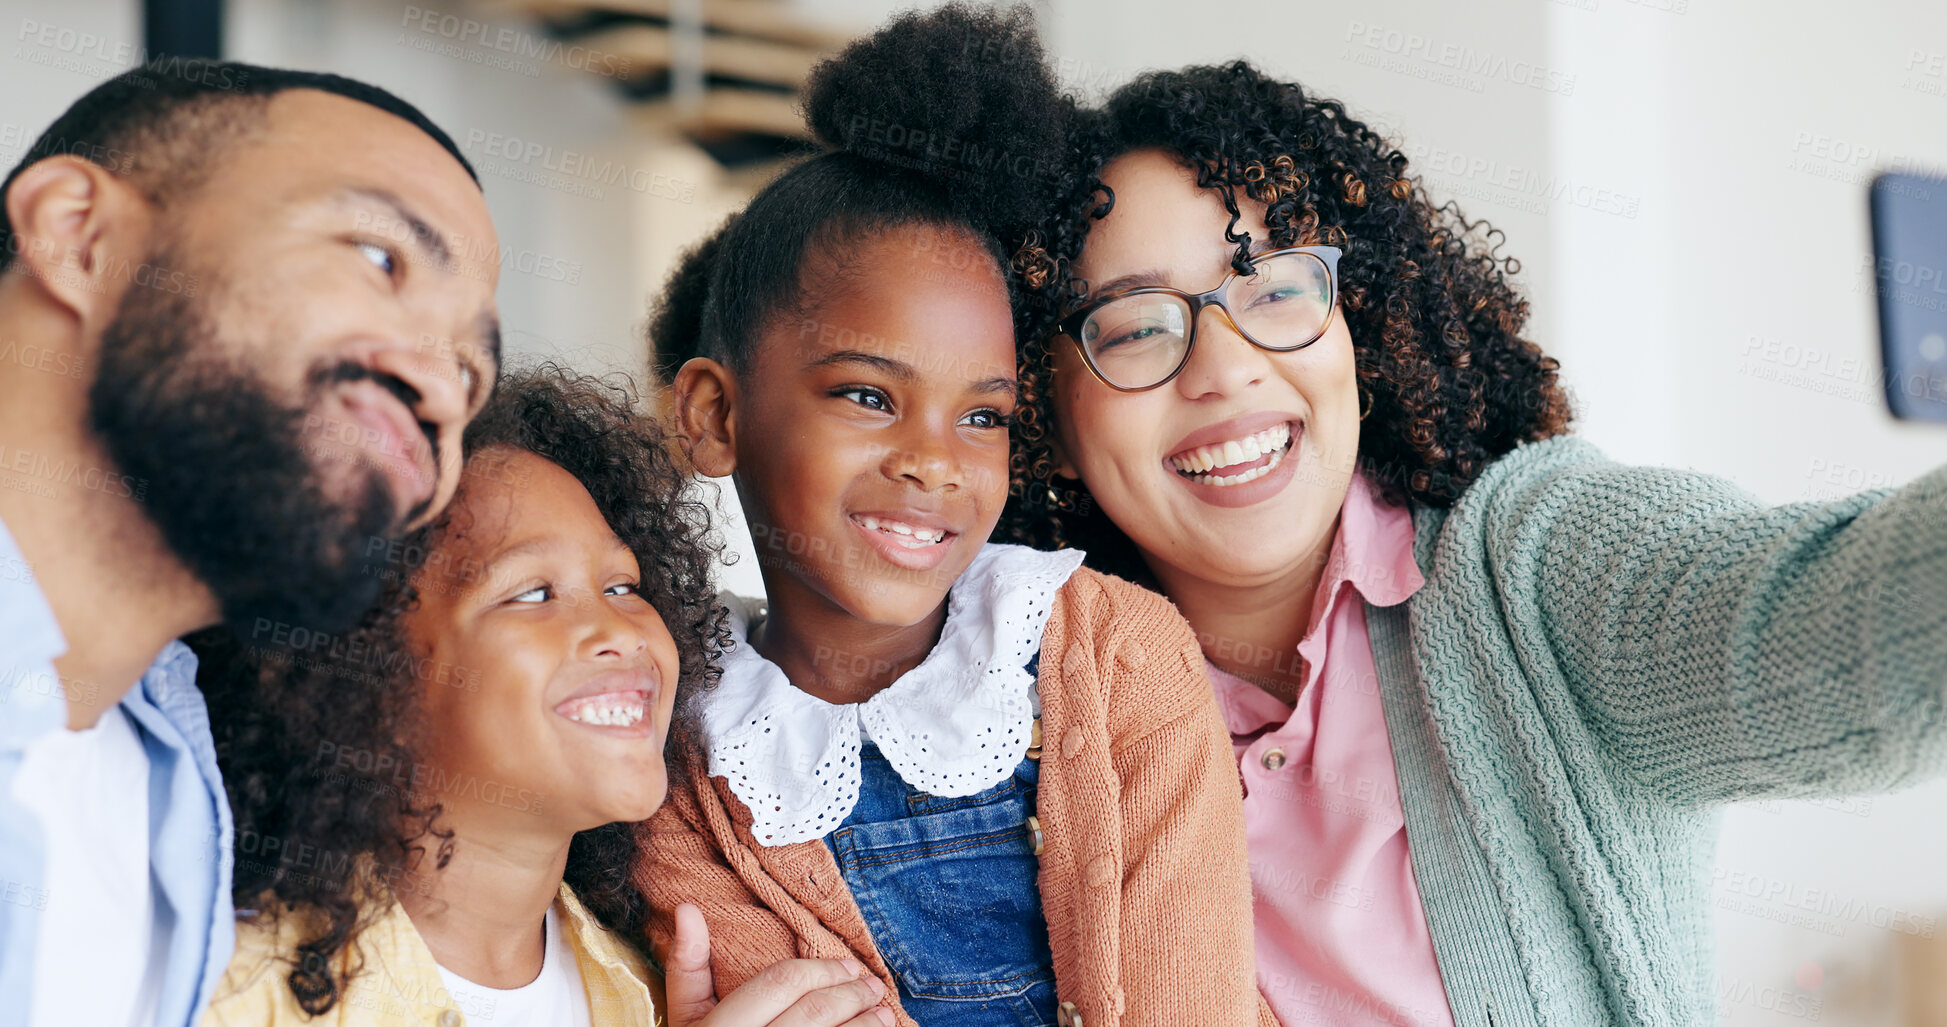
1137	280
1145	279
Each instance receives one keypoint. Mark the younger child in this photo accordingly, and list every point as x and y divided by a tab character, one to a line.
998	780
435	813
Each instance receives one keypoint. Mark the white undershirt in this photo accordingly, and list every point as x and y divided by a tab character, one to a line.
102	942
555	997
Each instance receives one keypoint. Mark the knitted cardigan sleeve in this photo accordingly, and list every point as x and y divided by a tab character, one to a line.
1183	876
681	863
1713	647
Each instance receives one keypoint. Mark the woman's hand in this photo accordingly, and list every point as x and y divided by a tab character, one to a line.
790	993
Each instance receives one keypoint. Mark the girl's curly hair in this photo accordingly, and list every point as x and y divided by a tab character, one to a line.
1436	327
898	151
317	736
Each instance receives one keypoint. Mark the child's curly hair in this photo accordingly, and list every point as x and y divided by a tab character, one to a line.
979	154
1436	326
281	714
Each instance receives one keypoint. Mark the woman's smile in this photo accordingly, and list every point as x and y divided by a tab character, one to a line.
1240	461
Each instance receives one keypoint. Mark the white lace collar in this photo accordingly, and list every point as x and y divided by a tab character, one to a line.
954	725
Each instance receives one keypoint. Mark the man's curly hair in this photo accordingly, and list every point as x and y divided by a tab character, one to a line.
1436	327
318	738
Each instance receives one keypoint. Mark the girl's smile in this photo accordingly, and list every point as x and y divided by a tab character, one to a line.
912	540
618	701
577	668
869	434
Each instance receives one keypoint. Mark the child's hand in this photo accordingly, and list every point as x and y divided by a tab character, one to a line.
789	993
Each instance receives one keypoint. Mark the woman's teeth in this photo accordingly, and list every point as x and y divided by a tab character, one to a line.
609	710
907	535
1198	464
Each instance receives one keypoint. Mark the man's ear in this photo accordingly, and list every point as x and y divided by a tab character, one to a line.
78	230
706	415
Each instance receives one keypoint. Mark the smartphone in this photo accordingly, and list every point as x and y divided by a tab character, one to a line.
1909	214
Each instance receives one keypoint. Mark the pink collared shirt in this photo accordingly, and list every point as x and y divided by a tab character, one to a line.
1341	935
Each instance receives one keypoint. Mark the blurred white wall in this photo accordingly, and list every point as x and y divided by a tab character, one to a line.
85	42
1683	180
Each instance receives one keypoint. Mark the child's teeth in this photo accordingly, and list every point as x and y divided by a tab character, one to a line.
624	715
920	536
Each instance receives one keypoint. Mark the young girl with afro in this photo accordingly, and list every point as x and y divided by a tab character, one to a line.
435	812
997	779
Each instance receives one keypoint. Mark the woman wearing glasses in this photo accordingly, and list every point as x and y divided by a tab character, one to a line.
1486	687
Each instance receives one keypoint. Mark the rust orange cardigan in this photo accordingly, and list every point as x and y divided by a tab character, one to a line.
1144	881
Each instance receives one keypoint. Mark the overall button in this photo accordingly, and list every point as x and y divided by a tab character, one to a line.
1068	1015
1273	759
1034	743
1034	831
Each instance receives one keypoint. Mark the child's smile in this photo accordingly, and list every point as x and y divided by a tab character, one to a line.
913	540
871	433
617	702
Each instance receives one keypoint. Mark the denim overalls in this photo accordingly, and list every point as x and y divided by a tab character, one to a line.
949	890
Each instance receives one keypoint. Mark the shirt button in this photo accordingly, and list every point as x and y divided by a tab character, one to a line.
1034	832
450	1018
1273	759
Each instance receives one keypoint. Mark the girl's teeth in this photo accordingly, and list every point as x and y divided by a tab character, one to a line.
921	537
607	715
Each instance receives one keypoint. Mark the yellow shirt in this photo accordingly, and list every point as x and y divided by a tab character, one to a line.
399	985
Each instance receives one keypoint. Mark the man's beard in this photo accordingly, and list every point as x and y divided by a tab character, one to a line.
229	483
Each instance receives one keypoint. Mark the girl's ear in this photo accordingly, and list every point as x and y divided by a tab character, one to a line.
706	415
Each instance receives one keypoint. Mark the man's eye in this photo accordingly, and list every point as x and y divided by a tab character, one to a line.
620	590
537	594
380	257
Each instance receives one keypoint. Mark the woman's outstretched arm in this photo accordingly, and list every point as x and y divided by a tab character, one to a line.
1715	647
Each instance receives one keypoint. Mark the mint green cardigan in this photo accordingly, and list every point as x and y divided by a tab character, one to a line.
1601	657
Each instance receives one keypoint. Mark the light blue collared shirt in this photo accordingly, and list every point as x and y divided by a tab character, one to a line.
189	816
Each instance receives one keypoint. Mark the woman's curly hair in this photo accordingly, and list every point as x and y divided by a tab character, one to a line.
1436	327
317	736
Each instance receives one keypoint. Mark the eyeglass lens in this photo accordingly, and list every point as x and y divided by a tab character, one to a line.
1140	340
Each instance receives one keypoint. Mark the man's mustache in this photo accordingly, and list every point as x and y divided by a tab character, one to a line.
346	371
